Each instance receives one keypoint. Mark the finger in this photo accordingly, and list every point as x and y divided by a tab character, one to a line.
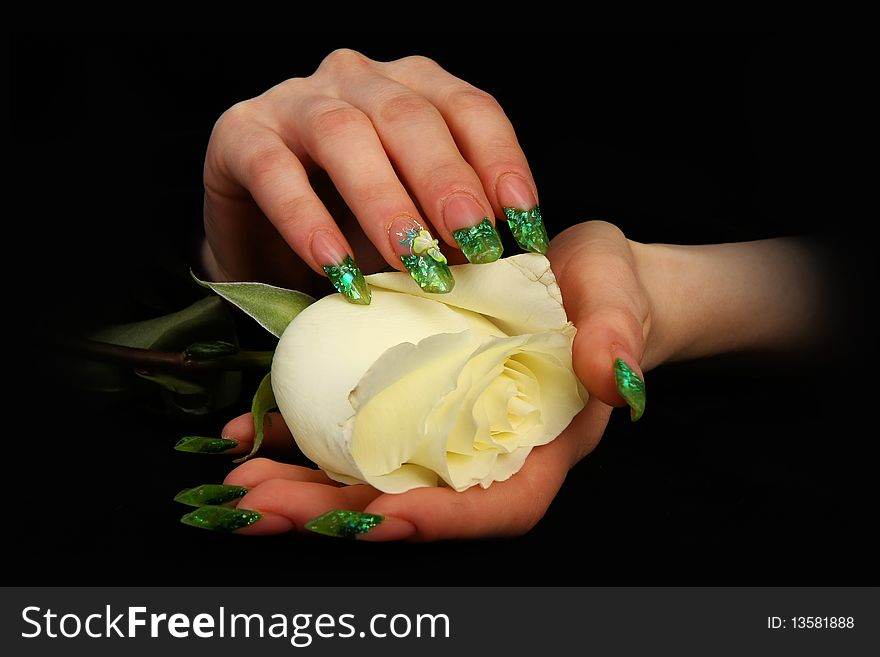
506	508
237	437
596	273
418	143
288	505
254	472
487	140
247	154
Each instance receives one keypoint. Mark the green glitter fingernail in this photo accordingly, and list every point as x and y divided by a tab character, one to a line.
349	281
203	445
481	243
221	518
528	228
431	275
210	494
631	388
344	524
420	254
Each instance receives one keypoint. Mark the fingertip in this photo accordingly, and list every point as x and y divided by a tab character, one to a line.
629	381
594	365
240	428
390	529
269	523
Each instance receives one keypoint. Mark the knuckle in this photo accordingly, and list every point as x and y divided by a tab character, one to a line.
445	179
471	99
331	119
241	113
344	59
372	193
263	164
293	209
289	87
418	62
404	106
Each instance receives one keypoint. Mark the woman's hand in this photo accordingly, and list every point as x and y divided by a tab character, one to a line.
596	270
642	304
288	497
404	145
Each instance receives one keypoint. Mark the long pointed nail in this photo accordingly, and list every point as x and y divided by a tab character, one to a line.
221	518
344	524
517	198
420	254
528	228
631	387
472	230
480	244
340	268
210	494
204	445
349	281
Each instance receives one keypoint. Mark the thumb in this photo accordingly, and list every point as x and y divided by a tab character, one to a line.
597	274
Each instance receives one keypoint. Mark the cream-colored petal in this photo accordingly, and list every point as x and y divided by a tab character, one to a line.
507	465
395	398
519	294
404	478
327	349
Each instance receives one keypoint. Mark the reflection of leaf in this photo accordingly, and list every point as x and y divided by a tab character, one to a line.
173	383
264	401
272	307
219	392
206	319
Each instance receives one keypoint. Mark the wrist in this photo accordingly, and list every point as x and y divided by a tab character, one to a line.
657	266
717	298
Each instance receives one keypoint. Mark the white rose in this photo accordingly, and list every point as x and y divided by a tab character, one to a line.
416	388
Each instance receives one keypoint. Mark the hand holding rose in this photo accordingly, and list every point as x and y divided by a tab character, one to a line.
662	302
408	147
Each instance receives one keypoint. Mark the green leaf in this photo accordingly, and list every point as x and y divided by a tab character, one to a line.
272	307
264	401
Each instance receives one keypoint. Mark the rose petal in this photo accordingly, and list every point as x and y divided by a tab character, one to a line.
395	397
325	351
519	294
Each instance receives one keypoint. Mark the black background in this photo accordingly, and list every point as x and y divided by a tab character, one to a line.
748	469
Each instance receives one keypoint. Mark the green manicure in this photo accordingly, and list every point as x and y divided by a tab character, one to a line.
344	524
631	388
349	281
210	494
431	275
481	243
528	228
220	518
203	445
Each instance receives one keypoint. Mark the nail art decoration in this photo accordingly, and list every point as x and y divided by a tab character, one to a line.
203	445
420	254
480	244
528	228
210	495
420	241
631	388
344	524
349	281
221	518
